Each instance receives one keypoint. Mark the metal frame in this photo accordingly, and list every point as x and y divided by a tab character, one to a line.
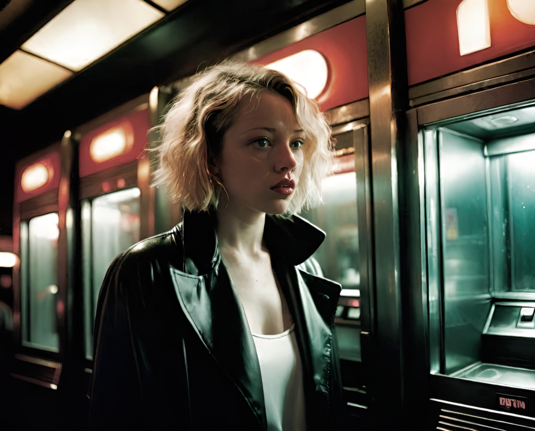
519	93
22	212
516	68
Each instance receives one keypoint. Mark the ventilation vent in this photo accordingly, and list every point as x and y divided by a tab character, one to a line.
452	418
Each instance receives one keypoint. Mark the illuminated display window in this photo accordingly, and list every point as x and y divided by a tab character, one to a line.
112	143
307	68
35	176
473	26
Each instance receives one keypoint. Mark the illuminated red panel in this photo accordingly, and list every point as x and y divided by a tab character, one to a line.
135	126
30	174
353	303
344	48
433	43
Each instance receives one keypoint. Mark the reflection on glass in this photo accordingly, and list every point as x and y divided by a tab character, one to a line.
110	225
338	255
513	212
41	321
465	241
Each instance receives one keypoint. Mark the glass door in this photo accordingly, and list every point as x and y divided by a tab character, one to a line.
110	224
39	282
344	256
480	187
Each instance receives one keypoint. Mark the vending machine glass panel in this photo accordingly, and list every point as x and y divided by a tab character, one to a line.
40	283
110	224
480	187
338	256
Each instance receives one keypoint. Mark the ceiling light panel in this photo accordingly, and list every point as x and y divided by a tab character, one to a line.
169	5
23	78
87	29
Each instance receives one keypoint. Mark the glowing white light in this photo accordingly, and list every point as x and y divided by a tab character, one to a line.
473	26
33	177
169	5
45	226
111	143
23	78
523	10
117	197
53	289
350	292
7	260
307	68
87	29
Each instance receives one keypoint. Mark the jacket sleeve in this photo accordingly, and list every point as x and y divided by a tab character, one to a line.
115	391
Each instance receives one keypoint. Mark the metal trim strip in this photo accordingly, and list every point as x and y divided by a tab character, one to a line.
487	419
482	409
34	381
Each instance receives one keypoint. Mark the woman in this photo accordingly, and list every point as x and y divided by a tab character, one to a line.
225	322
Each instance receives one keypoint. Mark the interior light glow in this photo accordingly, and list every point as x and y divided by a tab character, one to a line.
473	26
169	5
87	29
350	292
35	176
522	10
23	78
45	226
507	120
307	68
7	260
112	143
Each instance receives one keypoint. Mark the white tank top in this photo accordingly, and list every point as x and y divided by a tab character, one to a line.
282	377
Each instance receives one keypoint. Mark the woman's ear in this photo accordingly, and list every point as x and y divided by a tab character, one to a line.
212	165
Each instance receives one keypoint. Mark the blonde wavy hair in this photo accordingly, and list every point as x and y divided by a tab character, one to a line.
200	115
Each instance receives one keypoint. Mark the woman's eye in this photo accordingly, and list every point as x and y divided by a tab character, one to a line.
262	143
297	144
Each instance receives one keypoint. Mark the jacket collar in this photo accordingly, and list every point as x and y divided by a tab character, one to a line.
210	302
293	239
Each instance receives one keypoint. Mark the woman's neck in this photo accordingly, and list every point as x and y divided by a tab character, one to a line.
240	233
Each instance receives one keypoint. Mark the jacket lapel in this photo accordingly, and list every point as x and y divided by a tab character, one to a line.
212	307
312	301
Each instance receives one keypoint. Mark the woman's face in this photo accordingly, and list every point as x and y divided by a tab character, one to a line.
261	156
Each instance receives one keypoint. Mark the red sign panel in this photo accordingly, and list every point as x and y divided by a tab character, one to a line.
433	41
138	123
52	163
344	49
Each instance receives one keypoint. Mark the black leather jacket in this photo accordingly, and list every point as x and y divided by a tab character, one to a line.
172	345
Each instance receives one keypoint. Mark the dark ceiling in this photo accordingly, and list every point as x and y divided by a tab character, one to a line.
199	32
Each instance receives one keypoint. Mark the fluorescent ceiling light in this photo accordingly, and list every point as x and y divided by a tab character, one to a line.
23	78
307	68
87	29
473	26
169	5
523	10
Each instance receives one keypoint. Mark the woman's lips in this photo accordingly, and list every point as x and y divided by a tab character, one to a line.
284	187
283	190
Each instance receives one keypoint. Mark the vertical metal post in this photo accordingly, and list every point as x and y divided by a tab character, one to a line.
387	75
70	301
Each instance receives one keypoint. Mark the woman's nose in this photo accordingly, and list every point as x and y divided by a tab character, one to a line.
285	159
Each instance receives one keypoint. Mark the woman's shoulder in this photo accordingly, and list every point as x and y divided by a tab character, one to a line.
158	251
